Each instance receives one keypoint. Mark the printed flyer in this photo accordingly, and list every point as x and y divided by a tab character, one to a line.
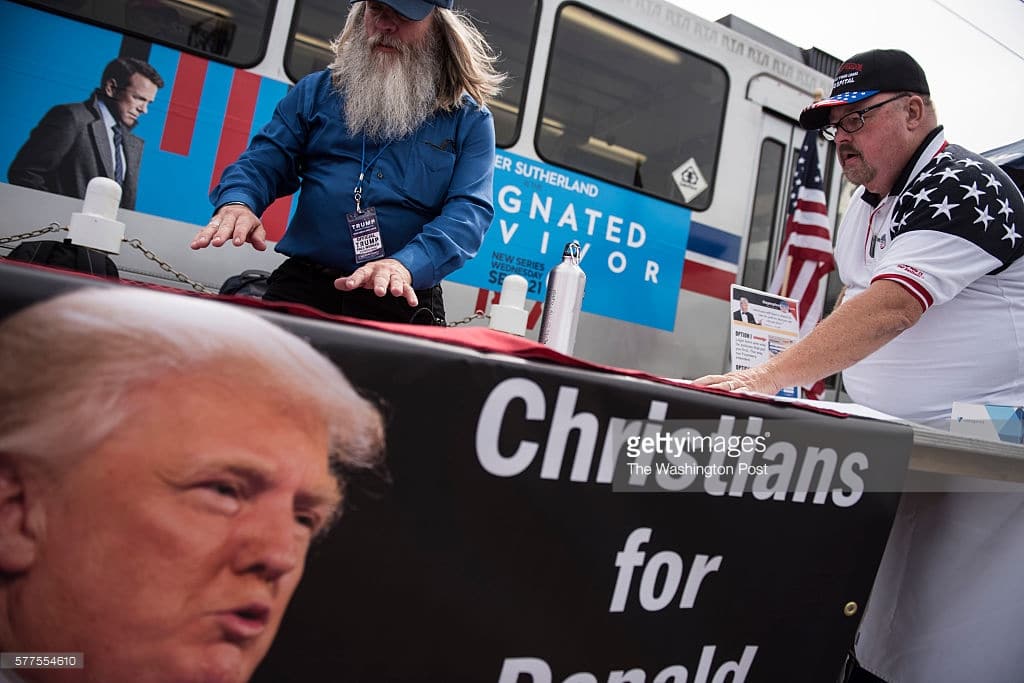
763	325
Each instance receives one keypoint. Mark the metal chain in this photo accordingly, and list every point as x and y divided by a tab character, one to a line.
52	227
56	227
469	319
137	244
166	267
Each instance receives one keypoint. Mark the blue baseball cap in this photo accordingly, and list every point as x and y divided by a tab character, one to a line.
417	10
864	75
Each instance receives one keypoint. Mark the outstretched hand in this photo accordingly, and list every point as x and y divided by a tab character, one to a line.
382	276
234	222
759	379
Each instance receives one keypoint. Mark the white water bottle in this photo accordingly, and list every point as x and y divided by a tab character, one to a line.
566	283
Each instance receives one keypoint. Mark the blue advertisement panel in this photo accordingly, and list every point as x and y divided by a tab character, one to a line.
183	157
633	245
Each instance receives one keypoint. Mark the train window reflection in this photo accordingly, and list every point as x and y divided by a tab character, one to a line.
231	31
629	108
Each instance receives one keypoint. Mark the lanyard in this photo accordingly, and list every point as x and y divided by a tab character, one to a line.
357	192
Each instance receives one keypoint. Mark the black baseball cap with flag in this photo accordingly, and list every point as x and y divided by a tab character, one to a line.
864	75
417	10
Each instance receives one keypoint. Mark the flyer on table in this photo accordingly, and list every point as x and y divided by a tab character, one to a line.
763	325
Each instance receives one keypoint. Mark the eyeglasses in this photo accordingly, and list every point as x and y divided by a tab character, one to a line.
854	121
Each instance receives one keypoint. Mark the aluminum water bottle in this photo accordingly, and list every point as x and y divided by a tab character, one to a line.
566	283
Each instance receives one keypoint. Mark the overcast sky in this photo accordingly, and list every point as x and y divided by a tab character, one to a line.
976	83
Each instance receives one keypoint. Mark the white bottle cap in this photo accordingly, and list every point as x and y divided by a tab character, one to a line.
97	226
102	198
509	315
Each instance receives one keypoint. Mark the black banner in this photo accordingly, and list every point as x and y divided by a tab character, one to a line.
519	539
502	551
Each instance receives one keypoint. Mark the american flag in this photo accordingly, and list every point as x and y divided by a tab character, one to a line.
806	254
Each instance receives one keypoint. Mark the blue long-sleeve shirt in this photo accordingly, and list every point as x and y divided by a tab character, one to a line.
432	190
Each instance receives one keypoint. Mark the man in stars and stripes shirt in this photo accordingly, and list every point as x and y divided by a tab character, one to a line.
930	251
930	254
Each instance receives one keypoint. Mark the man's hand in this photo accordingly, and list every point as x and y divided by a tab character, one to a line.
760	379
382	276
235	222
858	328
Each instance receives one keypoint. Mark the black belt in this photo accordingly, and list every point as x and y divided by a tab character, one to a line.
334	273
318	267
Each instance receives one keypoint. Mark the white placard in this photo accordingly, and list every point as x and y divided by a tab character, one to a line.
689	179
763	325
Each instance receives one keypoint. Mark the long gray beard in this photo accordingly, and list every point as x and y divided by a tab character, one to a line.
387	96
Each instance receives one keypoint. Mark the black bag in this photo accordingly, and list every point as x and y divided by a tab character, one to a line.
65	255
248	283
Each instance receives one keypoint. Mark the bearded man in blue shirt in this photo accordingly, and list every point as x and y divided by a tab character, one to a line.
392	147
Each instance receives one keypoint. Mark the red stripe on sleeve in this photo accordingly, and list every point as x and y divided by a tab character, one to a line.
923	296
184	105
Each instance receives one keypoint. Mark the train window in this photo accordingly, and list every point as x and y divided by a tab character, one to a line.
315	25
625	107
764	214
509	28
231	31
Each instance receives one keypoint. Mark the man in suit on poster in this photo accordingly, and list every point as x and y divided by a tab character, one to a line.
74	143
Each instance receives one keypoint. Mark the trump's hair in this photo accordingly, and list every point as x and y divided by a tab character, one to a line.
73	366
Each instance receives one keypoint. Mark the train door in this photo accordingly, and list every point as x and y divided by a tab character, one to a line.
778	152
776	160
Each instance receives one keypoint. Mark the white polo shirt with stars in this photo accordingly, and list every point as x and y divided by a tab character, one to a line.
952	234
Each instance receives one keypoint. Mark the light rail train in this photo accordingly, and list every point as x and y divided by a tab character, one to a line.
663	142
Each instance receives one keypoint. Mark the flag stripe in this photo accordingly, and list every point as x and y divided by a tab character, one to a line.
810	238
806	254
813	196
803	219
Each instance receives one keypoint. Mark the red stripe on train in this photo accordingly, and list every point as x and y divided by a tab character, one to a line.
275	218
184	105
234	138
707	280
